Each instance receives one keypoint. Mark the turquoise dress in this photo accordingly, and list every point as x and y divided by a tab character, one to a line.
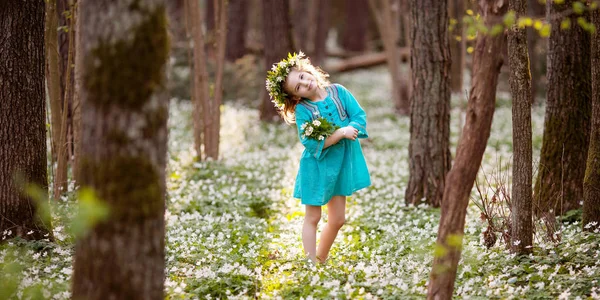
339	169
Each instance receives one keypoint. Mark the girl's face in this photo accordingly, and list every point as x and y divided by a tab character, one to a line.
301	84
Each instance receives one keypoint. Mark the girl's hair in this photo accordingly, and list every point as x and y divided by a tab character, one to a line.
288	111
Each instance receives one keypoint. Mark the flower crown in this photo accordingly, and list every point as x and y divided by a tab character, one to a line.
277	76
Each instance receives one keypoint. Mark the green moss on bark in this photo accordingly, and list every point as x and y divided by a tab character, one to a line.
127	72
129	185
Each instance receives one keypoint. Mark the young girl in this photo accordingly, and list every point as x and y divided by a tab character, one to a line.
331	167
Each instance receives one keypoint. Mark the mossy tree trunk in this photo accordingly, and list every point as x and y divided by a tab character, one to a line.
237	23
487	60
278	38
429	148
356	22
456	9
520	86
591	183
124	48
559	184
22	117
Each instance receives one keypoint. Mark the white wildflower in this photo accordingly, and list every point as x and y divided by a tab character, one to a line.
321	138
316	123
309	130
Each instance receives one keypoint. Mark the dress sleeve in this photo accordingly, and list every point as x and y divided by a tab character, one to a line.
357	115
314	147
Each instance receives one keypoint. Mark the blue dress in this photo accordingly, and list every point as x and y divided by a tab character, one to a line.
339	169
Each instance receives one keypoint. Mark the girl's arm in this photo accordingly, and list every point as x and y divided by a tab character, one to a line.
341	133
357	115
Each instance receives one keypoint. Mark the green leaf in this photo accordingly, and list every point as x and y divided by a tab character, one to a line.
91	210
578	7
509	18
565	24
496	29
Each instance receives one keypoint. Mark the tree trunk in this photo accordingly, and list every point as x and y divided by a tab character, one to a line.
356	22
77	73
559	185
278	36
65	15
429	148
212	148
457	45
520	86
389	35
236	33
125	49
487	60
322	29
301	20
22	117
591	183
366	60
200	93
53	76
61	180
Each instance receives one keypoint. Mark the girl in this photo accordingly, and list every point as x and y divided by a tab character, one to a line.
331	168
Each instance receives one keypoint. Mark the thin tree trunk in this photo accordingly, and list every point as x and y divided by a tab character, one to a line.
487	60
278	35
429	148
559	185
354	34
53	76
237	24
200	95
457	47
124	112
212	149
77	73
301	19
389	35
591	183
61	180
65	15
22	117
520	86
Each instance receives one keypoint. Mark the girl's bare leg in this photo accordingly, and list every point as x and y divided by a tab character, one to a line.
336	217
309	230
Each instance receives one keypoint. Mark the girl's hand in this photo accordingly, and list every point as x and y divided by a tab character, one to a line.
349	132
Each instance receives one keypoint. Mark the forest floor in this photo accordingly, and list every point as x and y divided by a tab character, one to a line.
233	229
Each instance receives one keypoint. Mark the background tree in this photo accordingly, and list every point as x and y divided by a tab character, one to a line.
355	27
53	77
278	37
125	109
591	183
388	30
537	48
559	184
22	116
237	22
487	61
520	87
456	10
429	148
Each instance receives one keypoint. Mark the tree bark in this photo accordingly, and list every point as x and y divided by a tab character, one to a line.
77	71
457	47
559	185
487	60
520	86
53	76
236	34
65	9
278	36
429	148
212	148
591	183
535	9
300	24
200	93
356	22
22	117
125	50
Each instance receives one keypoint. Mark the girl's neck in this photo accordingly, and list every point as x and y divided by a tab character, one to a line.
319	95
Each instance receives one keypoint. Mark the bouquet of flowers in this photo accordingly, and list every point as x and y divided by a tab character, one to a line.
319	129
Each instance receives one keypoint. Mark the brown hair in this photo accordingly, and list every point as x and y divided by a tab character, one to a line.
289	108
